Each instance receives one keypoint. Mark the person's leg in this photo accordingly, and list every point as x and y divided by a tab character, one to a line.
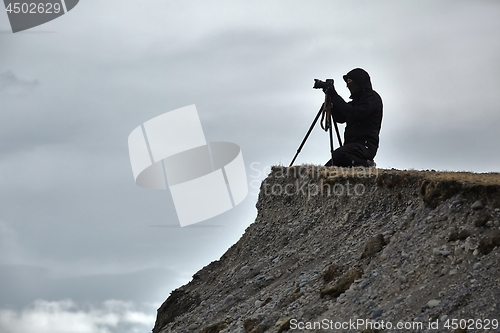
352	154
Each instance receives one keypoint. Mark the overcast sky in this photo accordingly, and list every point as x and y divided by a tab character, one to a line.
83	247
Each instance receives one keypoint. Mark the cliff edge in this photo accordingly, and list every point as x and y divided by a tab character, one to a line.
354	250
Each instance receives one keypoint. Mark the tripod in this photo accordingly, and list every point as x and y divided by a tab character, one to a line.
325	109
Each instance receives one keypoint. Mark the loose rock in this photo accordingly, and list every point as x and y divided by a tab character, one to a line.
477	205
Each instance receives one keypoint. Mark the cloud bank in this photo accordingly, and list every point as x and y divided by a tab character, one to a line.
66	316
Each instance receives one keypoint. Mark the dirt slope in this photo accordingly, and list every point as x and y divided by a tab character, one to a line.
353	250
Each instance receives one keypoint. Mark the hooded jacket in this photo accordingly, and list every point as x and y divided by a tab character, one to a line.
363	114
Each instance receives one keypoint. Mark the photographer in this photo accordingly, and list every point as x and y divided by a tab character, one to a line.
363	118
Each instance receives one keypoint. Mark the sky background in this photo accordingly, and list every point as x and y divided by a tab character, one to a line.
83	249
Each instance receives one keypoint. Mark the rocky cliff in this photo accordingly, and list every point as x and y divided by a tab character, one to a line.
354	250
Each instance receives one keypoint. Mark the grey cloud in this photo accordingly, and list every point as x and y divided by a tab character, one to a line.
66	315
10	84
20	284
461	147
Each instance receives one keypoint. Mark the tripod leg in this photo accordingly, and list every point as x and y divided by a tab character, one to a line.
337	131
331	139
307	135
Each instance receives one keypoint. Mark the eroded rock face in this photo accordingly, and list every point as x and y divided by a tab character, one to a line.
348	244
177	304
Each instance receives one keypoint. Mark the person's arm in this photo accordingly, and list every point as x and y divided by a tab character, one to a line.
339	114
357	113
339	106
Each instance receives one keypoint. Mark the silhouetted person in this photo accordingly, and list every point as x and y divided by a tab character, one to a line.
363	118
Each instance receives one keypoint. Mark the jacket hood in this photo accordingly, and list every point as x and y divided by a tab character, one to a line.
361	77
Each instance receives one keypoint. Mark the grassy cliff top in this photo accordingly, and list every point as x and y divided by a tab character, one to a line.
490	178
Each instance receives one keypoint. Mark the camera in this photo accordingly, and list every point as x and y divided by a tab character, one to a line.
318	84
